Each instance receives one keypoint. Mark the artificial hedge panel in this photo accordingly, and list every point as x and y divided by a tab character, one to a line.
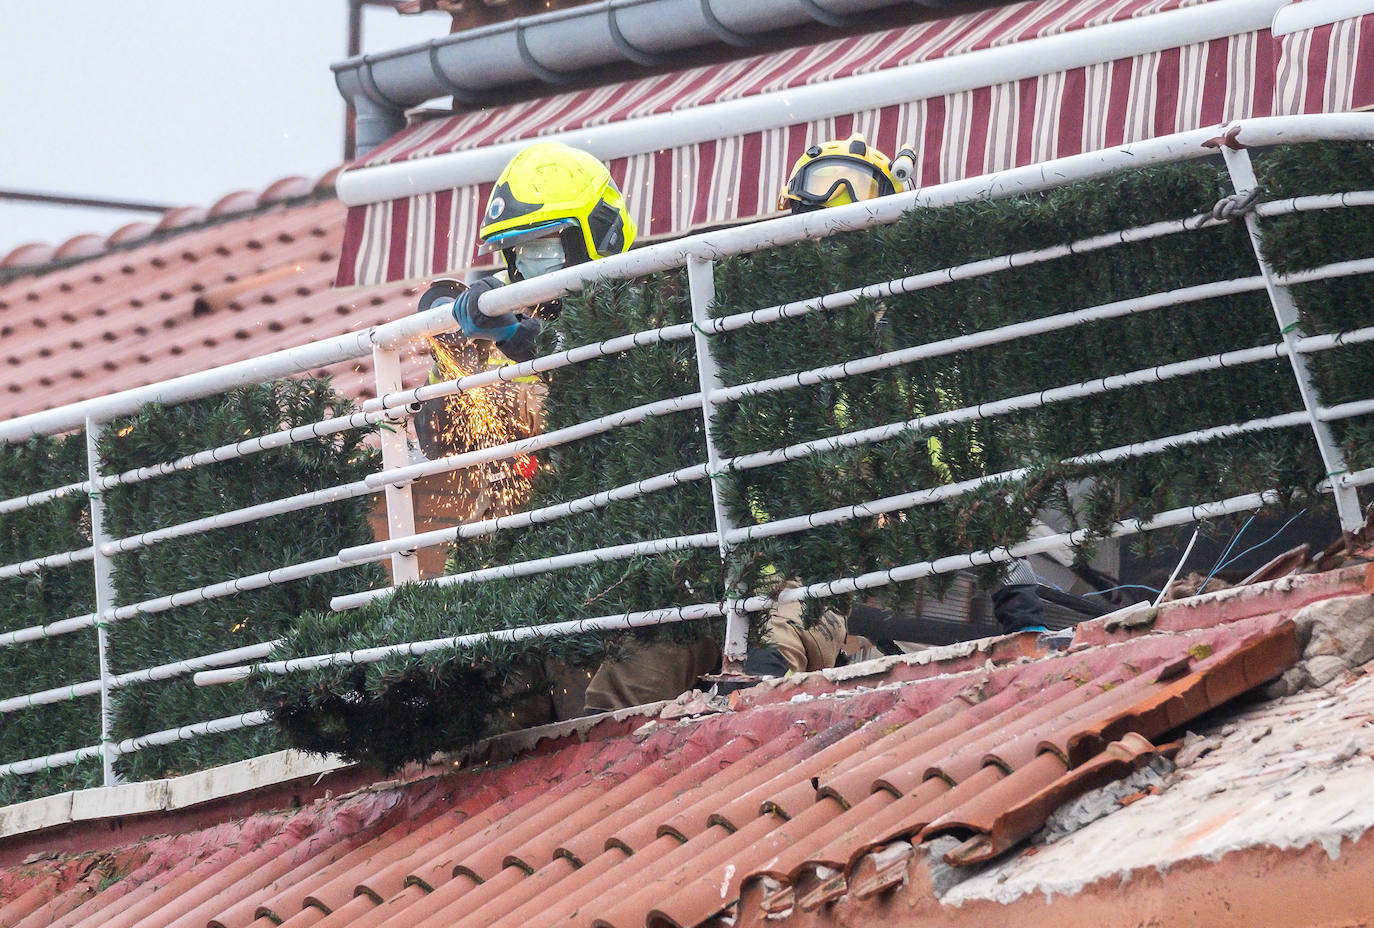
162	433
48	595
1301	241
405	708
931	239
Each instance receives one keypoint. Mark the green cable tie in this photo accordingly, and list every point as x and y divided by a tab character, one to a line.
1288	328
384	425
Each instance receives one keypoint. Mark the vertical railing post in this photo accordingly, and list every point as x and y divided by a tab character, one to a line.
400	508
1243	179
702	284
104	596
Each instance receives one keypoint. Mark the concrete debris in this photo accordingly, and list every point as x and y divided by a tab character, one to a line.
1153	778
693	703
943	876
1195	747
1337	635
1345	753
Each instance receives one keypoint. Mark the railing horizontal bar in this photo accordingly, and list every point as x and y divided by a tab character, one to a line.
132	745
64	559
962	272
511	372
284	363
239	516
995	336
186	597
908	572
291	436
187	732
229	587
36	764
42	496
540	565
1319	201
414	649
162	672
536	443
39	632
521	519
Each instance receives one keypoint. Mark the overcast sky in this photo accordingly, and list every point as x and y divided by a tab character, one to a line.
170	101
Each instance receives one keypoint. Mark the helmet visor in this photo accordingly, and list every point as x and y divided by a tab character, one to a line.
513	237
821	180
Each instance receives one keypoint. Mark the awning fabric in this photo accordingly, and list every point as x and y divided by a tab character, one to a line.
1328	69
723	180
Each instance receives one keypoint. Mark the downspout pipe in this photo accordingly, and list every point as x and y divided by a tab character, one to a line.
554	48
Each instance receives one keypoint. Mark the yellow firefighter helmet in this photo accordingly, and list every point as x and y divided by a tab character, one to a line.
835	173
554	194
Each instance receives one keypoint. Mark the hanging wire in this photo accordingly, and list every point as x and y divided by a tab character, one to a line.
1124	586
1261	544
1221	558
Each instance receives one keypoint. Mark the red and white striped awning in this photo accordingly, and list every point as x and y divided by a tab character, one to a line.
417	200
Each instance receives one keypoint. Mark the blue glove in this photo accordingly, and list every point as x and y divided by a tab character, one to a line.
521	346
514	335
476	324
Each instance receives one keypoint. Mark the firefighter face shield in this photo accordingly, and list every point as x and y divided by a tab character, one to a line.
540	256
837	180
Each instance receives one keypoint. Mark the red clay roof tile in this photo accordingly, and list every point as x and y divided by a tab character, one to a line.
789	805
186	298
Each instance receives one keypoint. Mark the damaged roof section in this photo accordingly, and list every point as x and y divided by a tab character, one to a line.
795	802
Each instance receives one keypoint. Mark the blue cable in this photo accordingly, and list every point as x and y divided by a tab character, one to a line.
1218	565
1262	543
1124	586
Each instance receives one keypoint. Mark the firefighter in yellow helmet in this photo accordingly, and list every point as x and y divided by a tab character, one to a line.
553	207
835	173
843	171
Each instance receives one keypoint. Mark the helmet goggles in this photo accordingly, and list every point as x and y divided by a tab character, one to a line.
821	181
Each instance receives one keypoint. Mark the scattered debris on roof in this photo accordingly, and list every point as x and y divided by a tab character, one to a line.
985	778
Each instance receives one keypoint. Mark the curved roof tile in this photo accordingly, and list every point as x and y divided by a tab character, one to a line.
29	255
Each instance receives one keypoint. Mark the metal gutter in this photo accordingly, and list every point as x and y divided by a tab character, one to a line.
556	47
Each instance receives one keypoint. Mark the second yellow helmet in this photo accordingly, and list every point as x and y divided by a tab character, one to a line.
837	172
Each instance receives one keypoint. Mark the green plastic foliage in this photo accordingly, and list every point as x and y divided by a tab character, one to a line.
405	708
1302	241
50	594
1037	439
158	434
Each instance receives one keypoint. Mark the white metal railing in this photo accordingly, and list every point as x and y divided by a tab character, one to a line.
697	255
